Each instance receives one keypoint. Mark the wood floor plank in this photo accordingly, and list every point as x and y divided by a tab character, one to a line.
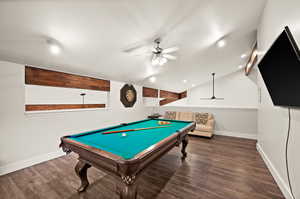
218	168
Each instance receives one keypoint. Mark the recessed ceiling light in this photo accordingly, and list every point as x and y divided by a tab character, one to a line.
152	79
243	55
221	43
241	66
193	85
54	47
184	81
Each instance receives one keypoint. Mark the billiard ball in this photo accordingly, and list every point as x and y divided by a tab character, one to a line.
163	122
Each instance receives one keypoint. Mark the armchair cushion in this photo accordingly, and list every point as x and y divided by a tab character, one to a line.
185	116
201	118
204	122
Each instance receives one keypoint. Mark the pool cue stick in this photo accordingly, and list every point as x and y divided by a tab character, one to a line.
139	129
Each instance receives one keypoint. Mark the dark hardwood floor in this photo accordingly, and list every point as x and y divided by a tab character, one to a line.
223	167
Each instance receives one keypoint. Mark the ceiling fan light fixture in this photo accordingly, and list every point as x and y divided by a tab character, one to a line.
160	56
158	60
155	61
162	61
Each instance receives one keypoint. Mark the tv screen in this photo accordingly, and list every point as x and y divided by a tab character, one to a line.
280	70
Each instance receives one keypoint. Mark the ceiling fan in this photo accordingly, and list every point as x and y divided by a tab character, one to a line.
158	55
161	56
213	96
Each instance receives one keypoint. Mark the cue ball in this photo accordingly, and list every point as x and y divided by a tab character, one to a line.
123	134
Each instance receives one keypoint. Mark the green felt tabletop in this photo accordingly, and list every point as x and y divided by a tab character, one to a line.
135	141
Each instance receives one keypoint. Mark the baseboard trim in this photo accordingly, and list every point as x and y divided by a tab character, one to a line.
5	169
236	134
280	182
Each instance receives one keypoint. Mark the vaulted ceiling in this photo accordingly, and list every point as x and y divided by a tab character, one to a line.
95	37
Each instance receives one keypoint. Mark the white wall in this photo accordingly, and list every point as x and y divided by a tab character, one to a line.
236	115
26	139
229	121
151	101
35	94
237	90
273	121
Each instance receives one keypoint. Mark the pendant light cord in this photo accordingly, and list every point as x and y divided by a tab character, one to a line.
286	153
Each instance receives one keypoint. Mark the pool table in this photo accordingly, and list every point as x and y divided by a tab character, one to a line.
125	156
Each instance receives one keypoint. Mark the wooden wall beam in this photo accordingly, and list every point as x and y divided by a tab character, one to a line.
183	95
150	92
166	101
47	107
43	77
252	60
168	94
171	97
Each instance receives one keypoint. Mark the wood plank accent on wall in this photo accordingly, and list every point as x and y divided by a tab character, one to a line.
168	94
166	101
47	107
43	77
150	92
171	97
252	60
183	95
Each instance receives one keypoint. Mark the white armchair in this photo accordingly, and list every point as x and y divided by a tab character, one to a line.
205	124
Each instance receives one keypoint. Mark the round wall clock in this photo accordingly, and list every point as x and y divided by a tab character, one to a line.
128	95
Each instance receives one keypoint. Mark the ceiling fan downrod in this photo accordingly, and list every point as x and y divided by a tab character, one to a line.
213	96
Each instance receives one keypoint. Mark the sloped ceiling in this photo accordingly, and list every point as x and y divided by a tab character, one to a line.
95	37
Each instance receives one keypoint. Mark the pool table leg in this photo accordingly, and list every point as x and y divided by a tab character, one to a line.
81	171
128	188
185	142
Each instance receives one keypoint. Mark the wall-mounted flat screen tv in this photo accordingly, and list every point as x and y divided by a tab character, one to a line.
280	70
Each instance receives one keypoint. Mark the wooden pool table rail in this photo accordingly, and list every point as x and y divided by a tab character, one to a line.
126	170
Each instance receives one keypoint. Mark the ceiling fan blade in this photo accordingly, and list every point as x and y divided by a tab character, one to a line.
140	44
134	48
212	98
217	98
143	50
209	98
170	50
137	45
171	57
141	54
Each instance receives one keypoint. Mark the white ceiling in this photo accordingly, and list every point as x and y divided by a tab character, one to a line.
94	36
